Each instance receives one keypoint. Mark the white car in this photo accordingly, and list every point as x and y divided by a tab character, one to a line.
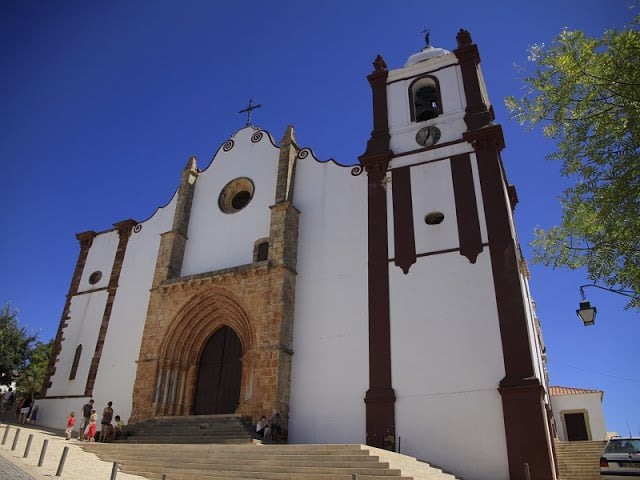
620	459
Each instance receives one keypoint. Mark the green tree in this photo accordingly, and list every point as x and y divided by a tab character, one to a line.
585	94
32	376
15	346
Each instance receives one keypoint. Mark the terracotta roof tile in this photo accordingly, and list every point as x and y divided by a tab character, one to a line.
558	390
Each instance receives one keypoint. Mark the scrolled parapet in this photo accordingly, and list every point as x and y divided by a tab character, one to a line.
306	151
357	170
228	145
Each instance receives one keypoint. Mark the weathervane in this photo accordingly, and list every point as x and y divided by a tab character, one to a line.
427	32
248	110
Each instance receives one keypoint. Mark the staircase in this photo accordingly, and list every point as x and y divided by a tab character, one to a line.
579	460
192	429
266	462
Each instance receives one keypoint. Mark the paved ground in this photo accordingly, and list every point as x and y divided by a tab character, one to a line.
78	465
8	471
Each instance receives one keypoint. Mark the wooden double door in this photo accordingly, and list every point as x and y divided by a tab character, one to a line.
219	374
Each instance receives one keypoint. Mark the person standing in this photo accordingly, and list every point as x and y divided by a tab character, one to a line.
7	401
25	408
33	415
71	420
90	431
84	420
105	423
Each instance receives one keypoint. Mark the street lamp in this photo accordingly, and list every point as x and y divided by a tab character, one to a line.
586	312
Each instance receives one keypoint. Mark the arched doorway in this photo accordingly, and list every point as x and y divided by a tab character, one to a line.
219	374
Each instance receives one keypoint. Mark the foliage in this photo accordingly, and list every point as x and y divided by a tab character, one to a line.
32	377
15	346
585	94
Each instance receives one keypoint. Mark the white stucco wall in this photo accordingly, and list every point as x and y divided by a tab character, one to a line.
446	364
83	326
588	403
330	364
100	258
217	240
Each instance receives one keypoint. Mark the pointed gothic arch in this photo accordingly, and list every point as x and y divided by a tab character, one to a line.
186	338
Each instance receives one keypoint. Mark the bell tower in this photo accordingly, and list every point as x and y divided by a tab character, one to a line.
445	270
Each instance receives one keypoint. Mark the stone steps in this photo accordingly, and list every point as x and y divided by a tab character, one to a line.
192	429
579	460
267	462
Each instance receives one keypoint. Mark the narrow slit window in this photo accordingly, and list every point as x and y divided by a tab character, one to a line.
76	362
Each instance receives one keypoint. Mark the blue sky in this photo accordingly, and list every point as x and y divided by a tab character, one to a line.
102	103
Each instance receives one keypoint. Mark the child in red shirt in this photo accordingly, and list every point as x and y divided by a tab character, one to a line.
71	420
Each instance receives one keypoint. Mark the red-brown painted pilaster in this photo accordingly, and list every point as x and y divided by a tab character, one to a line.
522	393
403	228
464	192
86	240
380	398
477	113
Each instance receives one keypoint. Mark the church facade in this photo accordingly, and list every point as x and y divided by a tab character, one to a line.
385	303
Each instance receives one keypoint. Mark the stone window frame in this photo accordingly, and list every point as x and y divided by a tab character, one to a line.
230	192
95	277
259	255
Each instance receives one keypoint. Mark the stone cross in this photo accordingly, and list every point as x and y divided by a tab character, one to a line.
248	110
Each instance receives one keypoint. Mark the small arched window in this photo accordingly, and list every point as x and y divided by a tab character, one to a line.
261	249
424	95
76	362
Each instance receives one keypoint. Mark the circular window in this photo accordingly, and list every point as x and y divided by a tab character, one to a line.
236	195
95	277
434	218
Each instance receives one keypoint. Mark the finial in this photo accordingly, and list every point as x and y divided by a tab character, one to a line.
379	63
289	136
463	38
248	110
191	163
426	32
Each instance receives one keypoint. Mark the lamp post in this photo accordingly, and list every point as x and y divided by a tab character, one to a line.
586	312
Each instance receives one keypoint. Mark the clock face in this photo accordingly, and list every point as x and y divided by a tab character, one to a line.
428	136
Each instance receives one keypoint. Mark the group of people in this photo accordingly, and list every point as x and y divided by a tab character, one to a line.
89	424
272	429
23	408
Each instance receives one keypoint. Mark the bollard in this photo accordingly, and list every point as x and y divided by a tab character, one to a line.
354	476
165	476
527	471
6	434
26	449
15	440
62	460
43	452
114	471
